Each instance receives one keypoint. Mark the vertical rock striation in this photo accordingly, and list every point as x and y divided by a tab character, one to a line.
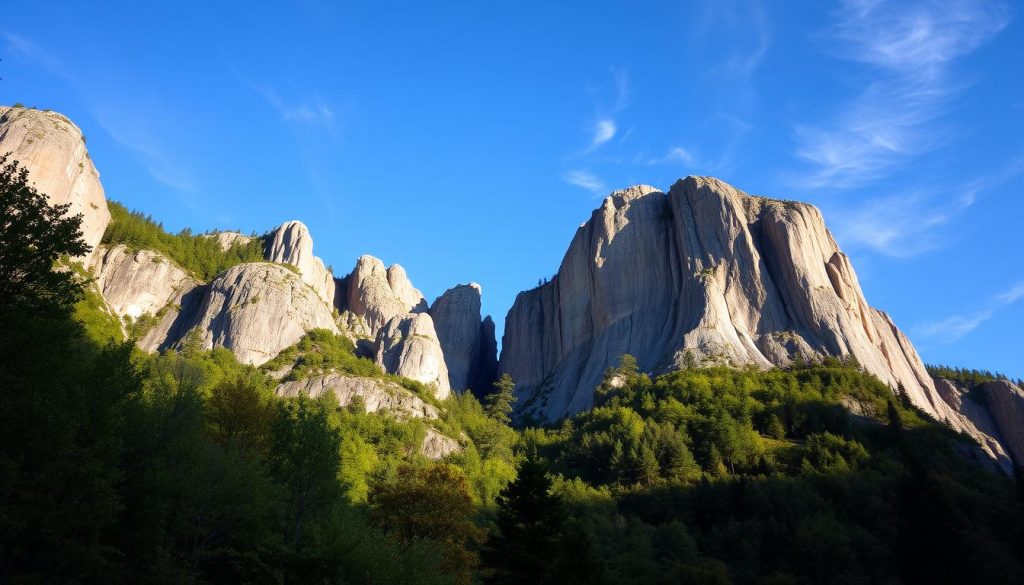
705	273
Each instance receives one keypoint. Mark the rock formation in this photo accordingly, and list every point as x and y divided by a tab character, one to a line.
377	394
467	342
255	310
291	244
992	413
228	239
372	295
408	346
138	283
53	150
705	273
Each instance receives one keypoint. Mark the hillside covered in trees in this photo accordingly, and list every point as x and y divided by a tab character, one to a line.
118	466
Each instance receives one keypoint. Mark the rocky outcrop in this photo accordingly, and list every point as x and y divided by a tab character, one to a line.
992	412
437	446
974	419
1005	402
407	346
53	150
227	239
136	283
705	273
291	244
255	310
378	395
469	354
372	295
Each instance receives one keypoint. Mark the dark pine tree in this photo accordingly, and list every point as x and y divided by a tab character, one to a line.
535	542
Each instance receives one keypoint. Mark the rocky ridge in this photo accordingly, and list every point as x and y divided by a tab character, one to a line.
703	274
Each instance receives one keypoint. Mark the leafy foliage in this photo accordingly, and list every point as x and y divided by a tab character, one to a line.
35	235
200	255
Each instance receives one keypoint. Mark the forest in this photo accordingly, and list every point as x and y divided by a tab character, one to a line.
121	467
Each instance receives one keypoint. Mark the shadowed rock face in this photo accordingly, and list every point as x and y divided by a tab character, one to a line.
291	244
468	343
53	150
706	273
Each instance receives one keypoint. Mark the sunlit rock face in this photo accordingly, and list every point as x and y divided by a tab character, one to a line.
703	274
255	310
290	243
53	150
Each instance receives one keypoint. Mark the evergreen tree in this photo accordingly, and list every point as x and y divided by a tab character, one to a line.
498	404
895	425
532	528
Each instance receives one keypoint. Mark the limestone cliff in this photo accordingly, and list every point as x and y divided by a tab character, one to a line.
377	395
466	340
53	150
705	273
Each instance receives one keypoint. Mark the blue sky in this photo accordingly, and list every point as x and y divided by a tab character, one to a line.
468	140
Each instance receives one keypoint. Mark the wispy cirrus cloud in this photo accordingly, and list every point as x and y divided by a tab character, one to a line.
584	180
676	155
604	127
126	121
910	223
954	327
908	50
311	110
604	130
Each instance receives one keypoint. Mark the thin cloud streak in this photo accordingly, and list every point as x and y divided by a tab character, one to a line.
909	49
882	224
953	328
124	123
584	180
312	111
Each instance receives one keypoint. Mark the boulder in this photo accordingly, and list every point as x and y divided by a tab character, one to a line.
53	150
